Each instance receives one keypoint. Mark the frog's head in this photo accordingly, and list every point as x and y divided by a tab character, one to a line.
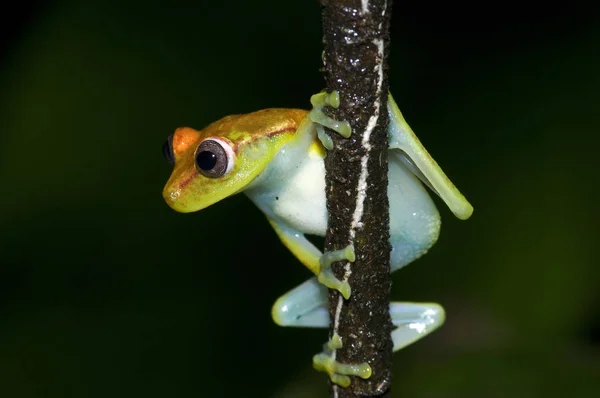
222	159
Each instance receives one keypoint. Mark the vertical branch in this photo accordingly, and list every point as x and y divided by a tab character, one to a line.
356	37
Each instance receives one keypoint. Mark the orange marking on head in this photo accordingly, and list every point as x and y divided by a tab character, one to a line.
183	138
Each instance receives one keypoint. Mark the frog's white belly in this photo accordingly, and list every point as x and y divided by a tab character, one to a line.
301	201
293	193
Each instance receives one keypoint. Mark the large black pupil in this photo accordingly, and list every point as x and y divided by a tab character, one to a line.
206	160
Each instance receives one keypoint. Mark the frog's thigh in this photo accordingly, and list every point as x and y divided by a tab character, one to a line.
303	306
414	219
413	321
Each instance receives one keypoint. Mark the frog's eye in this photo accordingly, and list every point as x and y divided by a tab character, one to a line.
214	158
168	150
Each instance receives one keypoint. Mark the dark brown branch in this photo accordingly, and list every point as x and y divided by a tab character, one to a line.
355	64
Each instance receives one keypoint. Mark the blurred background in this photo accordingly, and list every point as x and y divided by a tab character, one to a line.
107	292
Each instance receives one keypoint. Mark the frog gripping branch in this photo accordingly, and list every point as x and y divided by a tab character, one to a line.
279	157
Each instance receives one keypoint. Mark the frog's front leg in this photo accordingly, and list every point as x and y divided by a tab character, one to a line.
312	258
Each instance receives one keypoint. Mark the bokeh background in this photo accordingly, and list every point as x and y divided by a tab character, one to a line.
106	292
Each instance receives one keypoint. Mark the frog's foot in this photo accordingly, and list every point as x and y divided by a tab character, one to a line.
339	372
316	115
326	276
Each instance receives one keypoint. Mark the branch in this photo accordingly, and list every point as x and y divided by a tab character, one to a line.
356	37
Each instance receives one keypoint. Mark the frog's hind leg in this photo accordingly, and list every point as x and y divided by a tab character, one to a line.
306	306
413	321
303	306
414	219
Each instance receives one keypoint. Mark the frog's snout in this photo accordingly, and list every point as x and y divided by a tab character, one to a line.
172	196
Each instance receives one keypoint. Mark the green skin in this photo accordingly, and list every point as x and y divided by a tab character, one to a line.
275	156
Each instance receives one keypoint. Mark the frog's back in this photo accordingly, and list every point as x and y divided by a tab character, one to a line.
248	127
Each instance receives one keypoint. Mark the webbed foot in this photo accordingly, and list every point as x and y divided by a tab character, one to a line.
339	372
319	101
326	276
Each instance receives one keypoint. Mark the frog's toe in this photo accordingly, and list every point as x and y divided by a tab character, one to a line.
339	372
324	138
321	100
324	98
326	276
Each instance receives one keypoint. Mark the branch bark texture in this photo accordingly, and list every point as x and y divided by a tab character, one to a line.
356	38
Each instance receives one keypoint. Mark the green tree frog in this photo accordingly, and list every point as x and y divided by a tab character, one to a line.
275	157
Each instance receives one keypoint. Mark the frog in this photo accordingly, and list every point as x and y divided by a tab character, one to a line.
275	157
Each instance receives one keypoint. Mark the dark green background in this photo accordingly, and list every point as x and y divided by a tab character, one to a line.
106	292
